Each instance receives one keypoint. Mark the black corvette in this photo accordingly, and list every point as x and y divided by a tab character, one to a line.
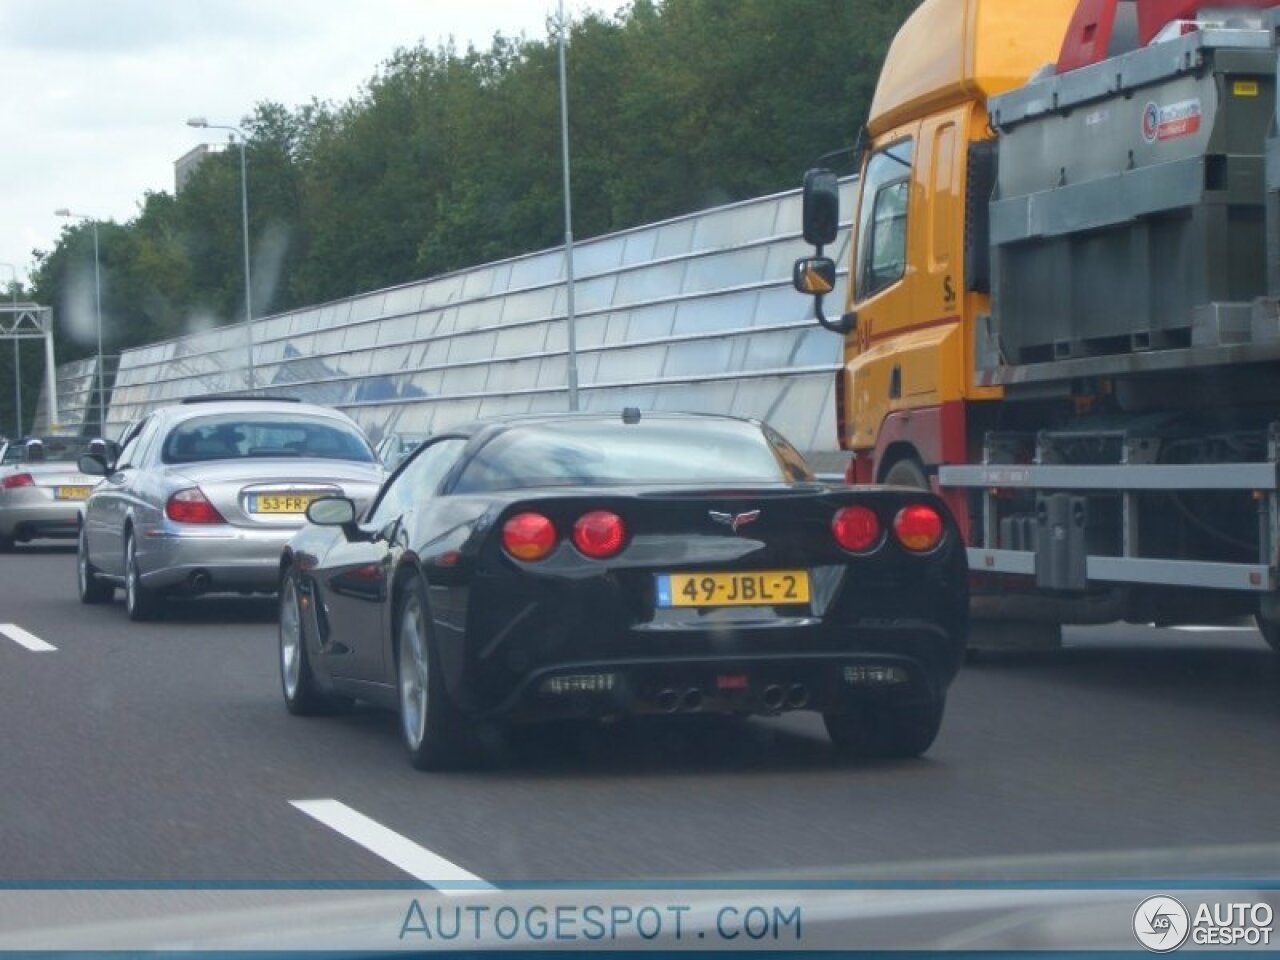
583	565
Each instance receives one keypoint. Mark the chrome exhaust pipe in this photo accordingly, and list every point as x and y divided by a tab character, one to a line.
773	697
798	696
668	701
692	700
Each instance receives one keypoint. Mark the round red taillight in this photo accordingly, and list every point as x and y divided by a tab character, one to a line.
918	528
529	536
599	534
857	529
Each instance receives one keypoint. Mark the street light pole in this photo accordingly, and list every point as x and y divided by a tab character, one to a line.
97	300
570	319
17	363
204	124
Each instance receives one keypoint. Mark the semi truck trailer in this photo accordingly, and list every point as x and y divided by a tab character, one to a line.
1063	308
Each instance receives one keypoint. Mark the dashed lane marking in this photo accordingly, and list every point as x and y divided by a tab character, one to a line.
25	639
413	859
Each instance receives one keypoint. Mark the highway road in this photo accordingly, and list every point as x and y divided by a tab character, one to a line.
162	752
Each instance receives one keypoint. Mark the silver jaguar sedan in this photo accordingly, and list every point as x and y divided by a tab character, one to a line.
205	494
42	488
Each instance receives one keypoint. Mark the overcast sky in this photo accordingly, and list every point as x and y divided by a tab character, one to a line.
95	93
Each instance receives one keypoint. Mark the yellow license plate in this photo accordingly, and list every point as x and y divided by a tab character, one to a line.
71	493
758	588
279	503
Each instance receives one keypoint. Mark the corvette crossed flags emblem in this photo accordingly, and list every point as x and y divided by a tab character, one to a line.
734	521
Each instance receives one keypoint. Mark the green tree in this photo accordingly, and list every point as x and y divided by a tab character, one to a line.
449	158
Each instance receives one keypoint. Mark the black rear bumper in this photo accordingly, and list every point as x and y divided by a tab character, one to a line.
909	664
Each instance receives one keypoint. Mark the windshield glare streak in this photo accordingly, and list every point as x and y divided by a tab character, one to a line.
604	453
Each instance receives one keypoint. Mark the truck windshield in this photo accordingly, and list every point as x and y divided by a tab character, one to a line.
882	219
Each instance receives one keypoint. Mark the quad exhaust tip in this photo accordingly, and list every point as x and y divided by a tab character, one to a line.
773	697
797	696
689	701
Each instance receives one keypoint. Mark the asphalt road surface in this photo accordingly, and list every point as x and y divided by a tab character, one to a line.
162	752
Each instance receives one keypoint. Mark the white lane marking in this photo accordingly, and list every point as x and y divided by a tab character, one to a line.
1191	628
415	860
25	639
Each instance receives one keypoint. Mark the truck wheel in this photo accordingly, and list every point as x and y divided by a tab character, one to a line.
885	731
1270	630
907	472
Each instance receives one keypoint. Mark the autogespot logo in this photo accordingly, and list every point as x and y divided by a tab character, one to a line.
1161	924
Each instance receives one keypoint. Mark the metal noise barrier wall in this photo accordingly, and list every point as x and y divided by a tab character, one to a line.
76	400
695	313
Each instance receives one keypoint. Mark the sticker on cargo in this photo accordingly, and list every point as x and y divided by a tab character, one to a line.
1170	122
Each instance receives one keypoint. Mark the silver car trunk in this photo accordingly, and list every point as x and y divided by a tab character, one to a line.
263	492
53	474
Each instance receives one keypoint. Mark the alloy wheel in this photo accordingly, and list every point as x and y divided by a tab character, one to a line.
290	638
413	675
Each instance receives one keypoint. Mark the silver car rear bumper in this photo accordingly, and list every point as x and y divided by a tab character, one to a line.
37	515
212	559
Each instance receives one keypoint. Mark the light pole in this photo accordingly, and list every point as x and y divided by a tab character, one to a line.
17	365
570	319
204	124
97	300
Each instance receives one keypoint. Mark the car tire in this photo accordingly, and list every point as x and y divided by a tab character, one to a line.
885	731
140	603
433	729
91	587
302	694
1270	630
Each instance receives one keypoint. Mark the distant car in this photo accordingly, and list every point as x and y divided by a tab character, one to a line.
204	495
395	447
601	566
42	488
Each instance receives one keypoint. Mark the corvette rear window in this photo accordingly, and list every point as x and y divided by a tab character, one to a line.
608	452
241	437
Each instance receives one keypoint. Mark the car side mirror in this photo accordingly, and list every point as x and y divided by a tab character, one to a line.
332	512
821	207
91	464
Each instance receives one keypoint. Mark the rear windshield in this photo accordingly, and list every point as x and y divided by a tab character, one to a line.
239	437
609	452
48	449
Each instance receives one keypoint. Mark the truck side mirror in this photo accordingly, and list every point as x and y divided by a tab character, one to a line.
815	276
821	207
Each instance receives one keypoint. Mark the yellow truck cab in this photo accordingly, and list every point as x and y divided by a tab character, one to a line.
908	364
